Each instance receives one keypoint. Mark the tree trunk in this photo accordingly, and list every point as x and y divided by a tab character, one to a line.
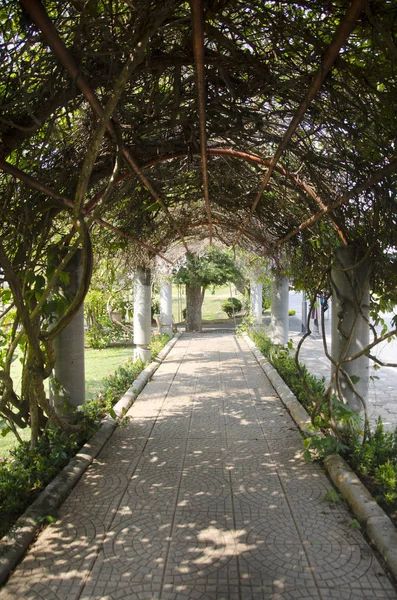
194	301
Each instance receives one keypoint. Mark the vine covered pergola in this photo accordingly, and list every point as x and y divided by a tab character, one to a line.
143	126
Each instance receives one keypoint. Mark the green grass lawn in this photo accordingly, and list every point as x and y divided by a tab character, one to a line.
98	364
212	305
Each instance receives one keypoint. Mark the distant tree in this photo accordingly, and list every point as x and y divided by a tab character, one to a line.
214	267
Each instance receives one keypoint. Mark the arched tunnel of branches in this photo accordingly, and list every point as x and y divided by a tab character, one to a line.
135	128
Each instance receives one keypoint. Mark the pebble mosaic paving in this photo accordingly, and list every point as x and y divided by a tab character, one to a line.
204	495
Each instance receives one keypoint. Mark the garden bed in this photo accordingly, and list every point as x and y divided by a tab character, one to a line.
373	459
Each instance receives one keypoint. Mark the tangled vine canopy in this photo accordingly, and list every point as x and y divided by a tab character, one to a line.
265	124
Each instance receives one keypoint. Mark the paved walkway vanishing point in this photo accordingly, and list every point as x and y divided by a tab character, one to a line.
204	495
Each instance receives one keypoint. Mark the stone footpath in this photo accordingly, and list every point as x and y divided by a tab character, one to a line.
382	392
203	495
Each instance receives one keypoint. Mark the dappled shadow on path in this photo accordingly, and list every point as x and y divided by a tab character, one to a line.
203	495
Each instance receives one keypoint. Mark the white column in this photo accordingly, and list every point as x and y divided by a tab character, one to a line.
350	287
279	326
166	308
142	313
67	387
256	302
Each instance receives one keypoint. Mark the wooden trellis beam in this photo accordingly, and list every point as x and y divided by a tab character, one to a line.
198	48
40	17
342	33
65	201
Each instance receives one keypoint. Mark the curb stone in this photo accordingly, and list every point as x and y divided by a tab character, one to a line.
14	545
379	528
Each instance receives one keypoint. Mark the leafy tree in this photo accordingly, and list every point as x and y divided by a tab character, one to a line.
214	267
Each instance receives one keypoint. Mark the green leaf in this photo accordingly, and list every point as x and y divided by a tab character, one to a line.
64	277
355	524
332	496
354	379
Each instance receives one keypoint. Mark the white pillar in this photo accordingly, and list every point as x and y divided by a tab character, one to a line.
142	314
256	302
279	326
67	388
350	287
166	308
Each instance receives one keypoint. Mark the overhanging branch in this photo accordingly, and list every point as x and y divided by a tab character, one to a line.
342	33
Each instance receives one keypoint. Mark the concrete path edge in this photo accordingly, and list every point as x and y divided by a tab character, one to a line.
14	545
379	528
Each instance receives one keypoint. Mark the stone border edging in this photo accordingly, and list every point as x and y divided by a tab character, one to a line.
378	526
14	545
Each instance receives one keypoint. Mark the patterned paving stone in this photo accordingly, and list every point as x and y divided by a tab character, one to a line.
52	589
140	426
136	546
249	455
285	454
147	408
307	488
204	495
269	550
121	589
217	432
200	591
162	453
171	426
121	454
101	482
338	554
367	593
202	547
74	537
259	489
205	453
279	591
200	489
152	490
201	423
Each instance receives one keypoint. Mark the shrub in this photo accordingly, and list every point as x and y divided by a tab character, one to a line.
231	306
157	344
29	470
374	457
386	478
22	478
379	447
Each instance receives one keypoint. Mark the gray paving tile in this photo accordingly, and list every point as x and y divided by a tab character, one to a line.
204	495
205	453
202	547
205	488
171	426
162	453
152	490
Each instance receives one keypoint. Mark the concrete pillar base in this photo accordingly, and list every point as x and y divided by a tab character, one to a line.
142	353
